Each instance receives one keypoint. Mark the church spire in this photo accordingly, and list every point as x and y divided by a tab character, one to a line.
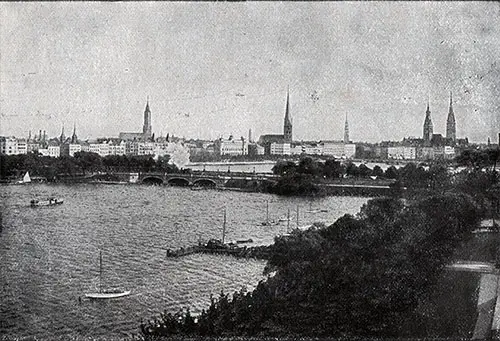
450	122
146	128
74	138
428	129
346	130
287	126
62	138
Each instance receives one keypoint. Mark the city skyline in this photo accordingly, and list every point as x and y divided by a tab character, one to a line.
218	69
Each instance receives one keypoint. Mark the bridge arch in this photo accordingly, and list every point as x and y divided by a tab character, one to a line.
204	182
152	180
178	181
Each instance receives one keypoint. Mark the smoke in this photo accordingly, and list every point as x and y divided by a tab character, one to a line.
179	156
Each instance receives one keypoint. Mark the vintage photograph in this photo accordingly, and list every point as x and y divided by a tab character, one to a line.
249	170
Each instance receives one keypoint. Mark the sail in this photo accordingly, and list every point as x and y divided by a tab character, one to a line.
26	177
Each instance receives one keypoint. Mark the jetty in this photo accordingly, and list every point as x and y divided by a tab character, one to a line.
215	246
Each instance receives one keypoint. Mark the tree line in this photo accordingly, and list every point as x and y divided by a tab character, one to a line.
359	277
83	163
303	178
362	276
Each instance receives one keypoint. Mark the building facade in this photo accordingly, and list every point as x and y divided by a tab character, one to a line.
231	146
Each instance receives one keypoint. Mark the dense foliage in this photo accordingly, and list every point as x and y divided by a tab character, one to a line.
82	163
361	276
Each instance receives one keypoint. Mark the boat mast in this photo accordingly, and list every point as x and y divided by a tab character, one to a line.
297	216
100	271
224	227
267	213
288	222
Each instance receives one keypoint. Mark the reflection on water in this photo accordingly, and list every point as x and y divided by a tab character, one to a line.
49	256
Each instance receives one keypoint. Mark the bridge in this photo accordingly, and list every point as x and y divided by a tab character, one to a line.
200	179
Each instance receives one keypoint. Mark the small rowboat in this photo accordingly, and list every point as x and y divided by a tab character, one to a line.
48	202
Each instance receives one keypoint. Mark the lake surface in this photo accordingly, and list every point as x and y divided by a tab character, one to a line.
267	166
49	256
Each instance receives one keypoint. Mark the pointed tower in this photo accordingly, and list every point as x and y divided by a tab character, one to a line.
428	125
62	138
146	128
287	126
346	130
74	138
451	132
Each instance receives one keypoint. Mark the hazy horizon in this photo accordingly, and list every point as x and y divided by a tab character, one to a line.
214	69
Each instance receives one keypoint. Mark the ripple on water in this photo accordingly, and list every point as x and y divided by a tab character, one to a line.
50	256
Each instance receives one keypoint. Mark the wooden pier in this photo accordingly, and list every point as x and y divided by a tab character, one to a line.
257	252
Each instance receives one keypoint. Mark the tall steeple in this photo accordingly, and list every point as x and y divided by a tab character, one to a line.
427	125
346	130
146	128
451	132
74	139
287	126
62	138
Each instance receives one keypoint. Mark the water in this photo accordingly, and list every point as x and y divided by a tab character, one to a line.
244	167
267	166
49	256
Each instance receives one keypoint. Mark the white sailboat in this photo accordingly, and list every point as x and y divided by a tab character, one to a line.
106	294
26	177
25	180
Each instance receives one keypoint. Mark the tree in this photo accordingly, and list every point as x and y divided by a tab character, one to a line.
377	171
391	173
88	161
284	167
332	168
352	170
364	171
308	166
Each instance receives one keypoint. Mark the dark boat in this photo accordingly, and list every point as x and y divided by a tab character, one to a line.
48	202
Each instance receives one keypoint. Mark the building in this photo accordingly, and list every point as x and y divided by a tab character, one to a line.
428	129
287	137
349	150
451	132
22	146
69	149
54	149
338	149
254	149
146	134
8	145
117	147
231	146
266	141
409	153
395	152
425	153
279	148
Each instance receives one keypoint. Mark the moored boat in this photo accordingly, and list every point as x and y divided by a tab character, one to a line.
106	293
48	202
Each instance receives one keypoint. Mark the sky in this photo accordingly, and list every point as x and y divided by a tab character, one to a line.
213	69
